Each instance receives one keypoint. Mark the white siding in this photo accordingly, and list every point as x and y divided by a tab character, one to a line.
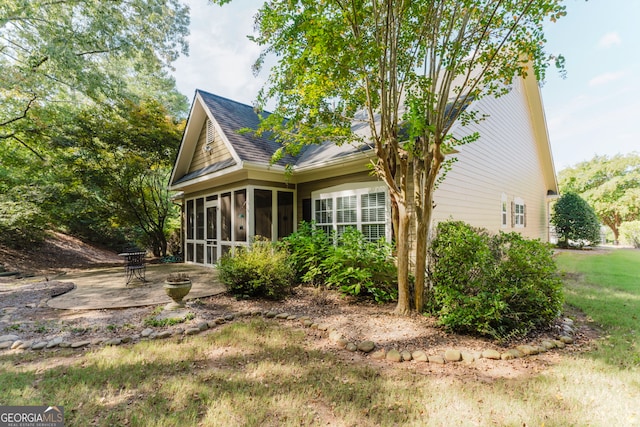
504	160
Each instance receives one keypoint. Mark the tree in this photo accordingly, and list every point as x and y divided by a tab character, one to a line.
575	221
398	66
611	185
72	51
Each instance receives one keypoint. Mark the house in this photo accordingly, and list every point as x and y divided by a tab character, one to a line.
230	192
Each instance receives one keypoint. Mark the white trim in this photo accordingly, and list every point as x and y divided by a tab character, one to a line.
504	211
519	217
353	189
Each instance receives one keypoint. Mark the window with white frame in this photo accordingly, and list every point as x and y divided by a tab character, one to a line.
503	211
519	212
349	206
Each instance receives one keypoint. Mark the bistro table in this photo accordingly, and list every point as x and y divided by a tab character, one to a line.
134	266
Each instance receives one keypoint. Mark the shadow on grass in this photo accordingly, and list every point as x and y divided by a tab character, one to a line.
260	373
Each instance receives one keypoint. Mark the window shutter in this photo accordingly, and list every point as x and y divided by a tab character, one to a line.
524	208
513	214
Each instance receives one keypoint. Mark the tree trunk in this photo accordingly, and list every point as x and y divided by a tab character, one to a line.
402	246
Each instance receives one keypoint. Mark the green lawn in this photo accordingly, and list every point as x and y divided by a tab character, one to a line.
263	373
606	286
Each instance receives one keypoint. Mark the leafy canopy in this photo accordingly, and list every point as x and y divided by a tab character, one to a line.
611	185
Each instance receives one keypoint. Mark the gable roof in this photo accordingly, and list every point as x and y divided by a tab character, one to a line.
233	116
247	148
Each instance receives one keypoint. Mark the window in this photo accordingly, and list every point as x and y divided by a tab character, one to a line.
503	211
362	208
324	214
519	212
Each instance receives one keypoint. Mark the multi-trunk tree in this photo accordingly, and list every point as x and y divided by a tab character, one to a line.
407	68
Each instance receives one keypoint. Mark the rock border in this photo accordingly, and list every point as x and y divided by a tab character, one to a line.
13	342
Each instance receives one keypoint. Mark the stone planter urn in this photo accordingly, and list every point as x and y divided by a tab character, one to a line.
177	286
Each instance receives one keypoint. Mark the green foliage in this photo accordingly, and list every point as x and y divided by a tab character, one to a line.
262	270
501	286
358	267
611	185
575	221
353	265
391	65
308	247
22	223
630	232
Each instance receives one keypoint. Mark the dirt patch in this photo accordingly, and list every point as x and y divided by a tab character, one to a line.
58	253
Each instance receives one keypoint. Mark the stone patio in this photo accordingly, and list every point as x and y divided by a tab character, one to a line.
105	288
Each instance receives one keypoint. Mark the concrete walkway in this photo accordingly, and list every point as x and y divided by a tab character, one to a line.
105	288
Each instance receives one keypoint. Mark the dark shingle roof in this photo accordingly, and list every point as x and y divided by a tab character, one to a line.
233	116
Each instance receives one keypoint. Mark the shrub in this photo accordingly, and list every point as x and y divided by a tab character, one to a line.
353	265
630	232
575	221
501	286
358	267
262	270
307	248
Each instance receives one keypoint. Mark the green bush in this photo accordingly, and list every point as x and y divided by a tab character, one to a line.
262	270
575	221
502	286
358	267
630	233
353	265
308	247
22	224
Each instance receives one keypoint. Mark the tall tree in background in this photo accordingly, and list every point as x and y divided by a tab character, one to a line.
396	65
611	185
72	51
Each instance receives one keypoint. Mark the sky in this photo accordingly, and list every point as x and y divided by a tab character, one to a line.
595	110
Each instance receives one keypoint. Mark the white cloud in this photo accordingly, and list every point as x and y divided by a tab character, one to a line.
609	39
606	78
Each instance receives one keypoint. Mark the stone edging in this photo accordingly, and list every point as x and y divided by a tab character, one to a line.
13	342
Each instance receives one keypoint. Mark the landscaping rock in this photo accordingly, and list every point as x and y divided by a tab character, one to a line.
439	360
467	357
335	336
203	326
126	340
212	324
420	356
491	354
64	344
23	345
97	341
229	317
452	355
394	355
192	331
323	327
146	332
366	346
270	314
39	345
9	337
511	354
406	356
379	355
164	334
220	321
113	341
548	344
6	344
566	339
54	342
282	315
307	323
559	343
80	344
527	350
351	347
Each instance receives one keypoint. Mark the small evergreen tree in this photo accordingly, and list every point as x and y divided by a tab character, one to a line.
575	221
